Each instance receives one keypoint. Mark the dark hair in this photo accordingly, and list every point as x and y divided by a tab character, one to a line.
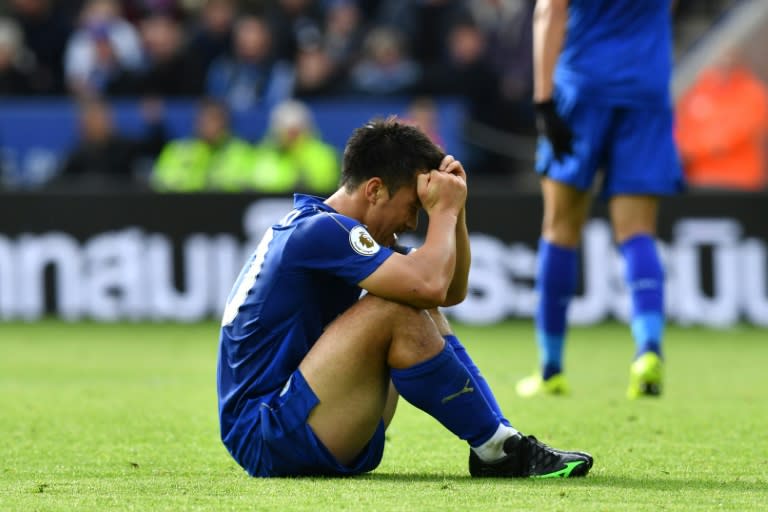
388	149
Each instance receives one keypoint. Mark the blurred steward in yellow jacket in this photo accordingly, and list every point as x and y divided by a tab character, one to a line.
213	160
292	157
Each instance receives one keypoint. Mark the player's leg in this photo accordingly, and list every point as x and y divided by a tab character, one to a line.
349	369
634	226
565	186
391	405
549	461
444	327
351	365
565	211
634	185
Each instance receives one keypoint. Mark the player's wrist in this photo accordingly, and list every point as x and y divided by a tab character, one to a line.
447	211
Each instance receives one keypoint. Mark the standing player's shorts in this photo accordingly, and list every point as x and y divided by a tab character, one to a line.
278	441
633	146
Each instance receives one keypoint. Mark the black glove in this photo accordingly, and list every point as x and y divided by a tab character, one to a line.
551	125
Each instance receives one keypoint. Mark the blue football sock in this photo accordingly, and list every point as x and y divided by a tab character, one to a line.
443	388
477	377
645	280
556	280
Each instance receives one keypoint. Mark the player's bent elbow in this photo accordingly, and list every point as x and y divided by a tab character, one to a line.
431	295
455	298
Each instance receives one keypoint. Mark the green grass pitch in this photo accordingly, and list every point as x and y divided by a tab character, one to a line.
123	417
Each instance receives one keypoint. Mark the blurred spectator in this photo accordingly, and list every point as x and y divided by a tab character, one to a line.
722	128
425	24
292	156
46	27
103	46
322	63
385	67
422	113
294	23
316	73
136	10
168	70
213	160
103	158
211	35
344	32
14	78
466	72
508	29
251	75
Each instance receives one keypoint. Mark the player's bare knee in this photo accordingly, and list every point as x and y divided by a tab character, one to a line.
416	339
395	312
442	324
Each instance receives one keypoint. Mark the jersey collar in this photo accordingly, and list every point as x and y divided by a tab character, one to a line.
306	200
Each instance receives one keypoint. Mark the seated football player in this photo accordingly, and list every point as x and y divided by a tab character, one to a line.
309	373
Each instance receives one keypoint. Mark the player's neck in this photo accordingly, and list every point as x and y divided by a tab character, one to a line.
351	205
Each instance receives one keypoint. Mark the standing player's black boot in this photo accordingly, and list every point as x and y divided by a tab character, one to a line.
526	456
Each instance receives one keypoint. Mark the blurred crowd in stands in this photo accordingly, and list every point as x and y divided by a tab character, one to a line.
245	51
273	54
252	53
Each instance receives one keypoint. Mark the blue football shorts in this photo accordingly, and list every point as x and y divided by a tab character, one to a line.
632	146
285	445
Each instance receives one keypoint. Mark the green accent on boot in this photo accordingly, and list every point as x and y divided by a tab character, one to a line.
563	473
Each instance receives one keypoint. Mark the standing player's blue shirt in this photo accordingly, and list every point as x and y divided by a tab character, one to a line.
302	275
616	52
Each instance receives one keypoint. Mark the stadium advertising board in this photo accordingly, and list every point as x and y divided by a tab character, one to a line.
153	257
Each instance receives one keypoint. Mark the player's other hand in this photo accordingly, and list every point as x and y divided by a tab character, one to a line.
553	127
453	166
441	191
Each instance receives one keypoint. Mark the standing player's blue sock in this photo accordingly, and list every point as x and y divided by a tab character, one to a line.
443	388
556	281
477	377
645	279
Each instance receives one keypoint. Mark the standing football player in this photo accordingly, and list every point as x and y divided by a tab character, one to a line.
601	89
309	374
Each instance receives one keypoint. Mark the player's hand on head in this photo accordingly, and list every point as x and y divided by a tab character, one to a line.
427	191
441	191
453	166
554	128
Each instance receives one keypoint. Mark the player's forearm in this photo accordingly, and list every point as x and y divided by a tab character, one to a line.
457	290
436	259
549	23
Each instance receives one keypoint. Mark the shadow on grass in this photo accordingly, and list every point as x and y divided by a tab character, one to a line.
619	482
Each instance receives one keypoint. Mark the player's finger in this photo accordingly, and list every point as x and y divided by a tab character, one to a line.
454	167
447	159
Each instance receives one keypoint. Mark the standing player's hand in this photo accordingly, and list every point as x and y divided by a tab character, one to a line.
553	127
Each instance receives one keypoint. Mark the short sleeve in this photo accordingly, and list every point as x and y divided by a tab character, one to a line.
338	245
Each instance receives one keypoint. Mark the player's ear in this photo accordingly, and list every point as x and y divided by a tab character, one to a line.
374	188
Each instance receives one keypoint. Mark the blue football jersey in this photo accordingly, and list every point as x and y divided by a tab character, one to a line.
302	275
616	52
